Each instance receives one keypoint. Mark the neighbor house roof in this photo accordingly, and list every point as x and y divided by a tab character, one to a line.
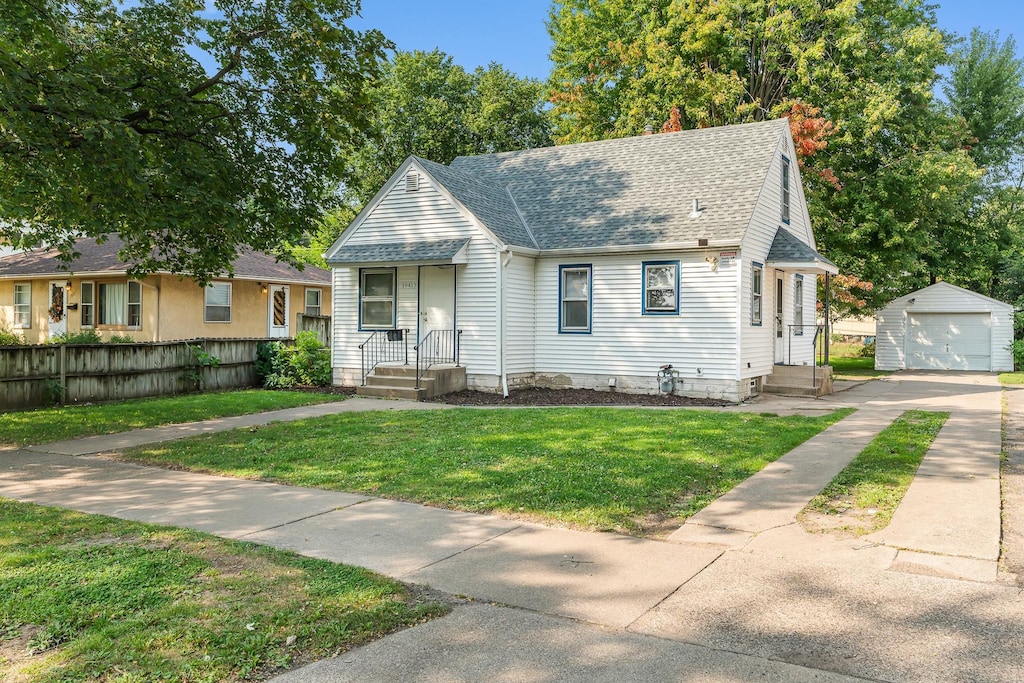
101	259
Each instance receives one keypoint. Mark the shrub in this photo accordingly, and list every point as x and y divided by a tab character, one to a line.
121	339
1017	349
868	351
81	337
280	366
8	338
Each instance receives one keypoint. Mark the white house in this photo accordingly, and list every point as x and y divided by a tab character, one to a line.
944	327
588	265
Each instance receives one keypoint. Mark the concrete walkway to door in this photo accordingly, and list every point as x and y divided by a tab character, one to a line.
772	603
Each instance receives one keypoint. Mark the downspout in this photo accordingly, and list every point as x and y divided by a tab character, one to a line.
504	258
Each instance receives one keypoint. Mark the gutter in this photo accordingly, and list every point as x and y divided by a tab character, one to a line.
503	257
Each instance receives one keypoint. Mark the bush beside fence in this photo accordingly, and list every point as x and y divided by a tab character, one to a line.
33	376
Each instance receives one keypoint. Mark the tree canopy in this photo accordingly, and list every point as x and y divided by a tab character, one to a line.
891	177
111	124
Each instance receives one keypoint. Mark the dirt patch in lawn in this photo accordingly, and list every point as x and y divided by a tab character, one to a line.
845	522
572	397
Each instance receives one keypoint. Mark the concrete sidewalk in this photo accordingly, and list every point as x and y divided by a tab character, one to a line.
761	601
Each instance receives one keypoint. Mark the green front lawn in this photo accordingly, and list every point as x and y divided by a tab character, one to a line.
86	598
1011	377
593	468
870	488
27	427
855	367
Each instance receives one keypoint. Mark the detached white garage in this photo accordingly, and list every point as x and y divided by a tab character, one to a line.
944	327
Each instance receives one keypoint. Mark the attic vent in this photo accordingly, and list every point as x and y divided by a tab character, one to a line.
412	181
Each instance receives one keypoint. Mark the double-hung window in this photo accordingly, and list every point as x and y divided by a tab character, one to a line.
87	304
785	190
120	304
22	305
798	304
574	287
377	299
217	306
756	293
313	301
661	287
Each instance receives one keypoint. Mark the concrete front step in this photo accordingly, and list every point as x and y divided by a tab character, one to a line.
377	391
799	380
790	390
399	381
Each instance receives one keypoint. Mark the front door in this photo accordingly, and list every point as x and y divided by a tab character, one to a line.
57	313
780	328
279	311
437	300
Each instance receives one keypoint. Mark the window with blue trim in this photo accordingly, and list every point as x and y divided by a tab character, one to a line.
756	293
798	304
377	299
785	190
661	287
574	289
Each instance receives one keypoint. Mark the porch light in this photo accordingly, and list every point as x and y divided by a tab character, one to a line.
67	286
263	287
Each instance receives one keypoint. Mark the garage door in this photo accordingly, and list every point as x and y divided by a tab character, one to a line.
949	341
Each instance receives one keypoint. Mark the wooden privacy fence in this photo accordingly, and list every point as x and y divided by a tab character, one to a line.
319	324
32	376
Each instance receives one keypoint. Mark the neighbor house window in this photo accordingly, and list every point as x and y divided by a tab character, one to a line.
313	297
785	190
120	304
756	289
23	305
798	304
574	297
661	287
218	303
377	299
87	304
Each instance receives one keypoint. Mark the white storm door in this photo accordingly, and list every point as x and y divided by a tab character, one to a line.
57	309
437	299
780	328
279	311
949	341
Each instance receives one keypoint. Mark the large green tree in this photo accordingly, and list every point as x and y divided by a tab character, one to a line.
110	123
425	104
888	190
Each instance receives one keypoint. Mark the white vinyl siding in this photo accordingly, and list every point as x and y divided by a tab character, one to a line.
425	214
915	335
625	342
520	315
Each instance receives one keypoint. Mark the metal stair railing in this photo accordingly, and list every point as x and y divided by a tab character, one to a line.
438	346
384	346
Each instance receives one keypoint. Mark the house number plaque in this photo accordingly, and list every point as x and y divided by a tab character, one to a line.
408	284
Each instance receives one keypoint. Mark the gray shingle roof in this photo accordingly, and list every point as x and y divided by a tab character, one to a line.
787	248
630	191
103	258
398	252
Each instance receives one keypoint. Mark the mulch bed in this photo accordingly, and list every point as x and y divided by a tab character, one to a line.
571	397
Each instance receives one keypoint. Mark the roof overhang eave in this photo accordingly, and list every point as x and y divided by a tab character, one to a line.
816	267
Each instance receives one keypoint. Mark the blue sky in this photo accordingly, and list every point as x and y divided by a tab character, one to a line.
514	33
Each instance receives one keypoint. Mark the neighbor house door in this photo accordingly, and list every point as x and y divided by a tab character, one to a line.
279	311
437	299
57	313
780	328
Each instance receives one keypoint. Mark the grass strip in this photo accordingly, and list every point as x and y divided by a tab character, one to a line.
855	367
870	488
1008	378
591	468
26	427
84	597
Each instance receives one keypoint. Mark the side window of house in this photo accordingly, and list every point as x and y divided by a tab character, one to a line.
23	305
661	287
218	303
756	289
87	304
120	303
313	297
574	289
785	190
377	299
798	304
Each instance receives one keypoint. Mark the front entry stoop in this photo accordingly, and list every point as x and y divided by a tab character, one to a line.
399	381
799	380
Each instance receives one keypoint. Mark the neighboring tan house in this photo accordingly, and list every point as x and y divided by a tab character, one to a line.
589	265
40	299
